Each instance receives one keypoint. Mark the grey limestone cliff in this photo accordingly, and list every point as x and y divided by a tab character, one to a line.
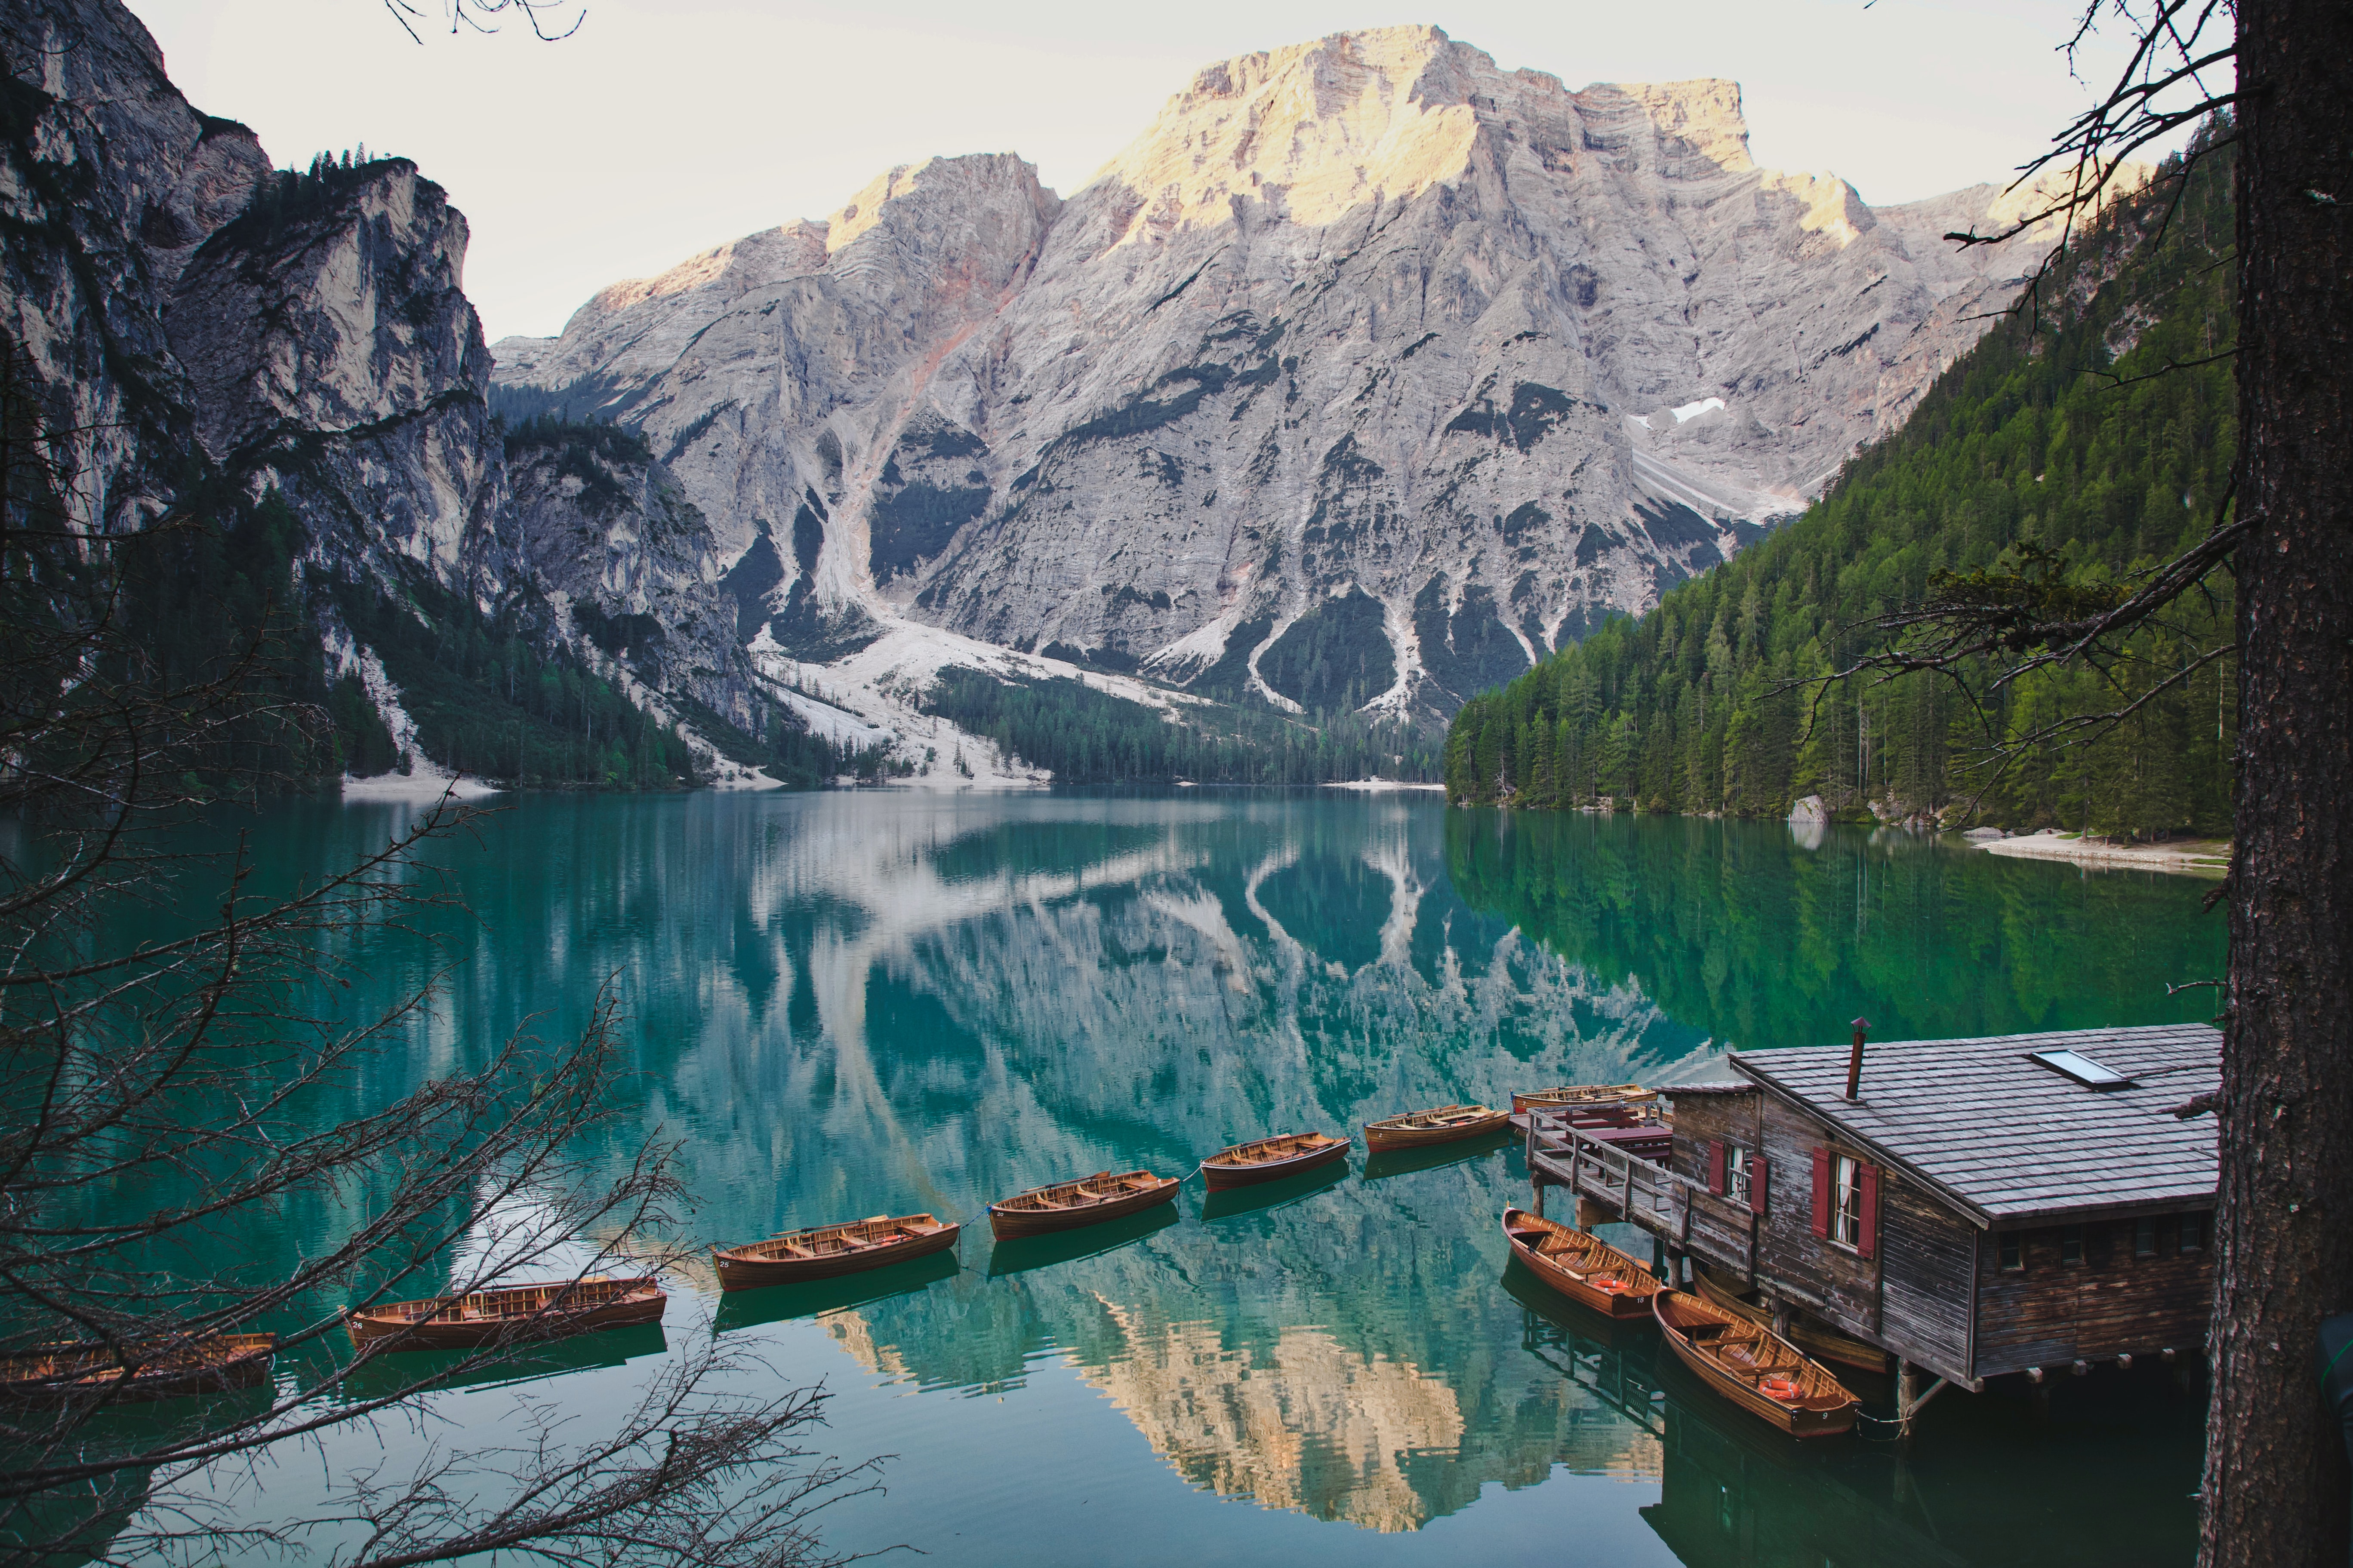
204	330
1367	374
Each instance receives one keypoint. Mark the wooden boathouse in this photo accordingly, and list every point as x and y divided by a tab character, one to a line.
1974	1208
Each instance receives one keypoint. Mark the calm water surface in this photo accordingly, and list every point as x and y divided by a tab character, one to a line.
846	1004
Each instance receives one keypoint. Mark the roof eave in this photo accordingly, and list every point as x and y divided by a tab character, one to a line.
2089	1212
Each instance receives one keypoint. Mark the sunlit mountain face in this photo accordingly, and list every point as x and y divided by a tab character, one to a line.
842	1004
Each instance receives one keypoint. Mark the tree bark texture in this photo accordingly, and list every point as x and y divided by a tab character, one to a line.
2276	1484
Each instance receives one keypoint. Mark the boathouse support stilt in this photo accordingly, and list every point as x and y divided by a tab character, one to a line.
1913	1391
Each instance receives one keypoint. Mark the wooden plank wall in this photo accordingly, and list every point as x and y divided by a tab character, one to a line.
1927	1253
1846	1285
1913	1295
1700	1120
2110	1304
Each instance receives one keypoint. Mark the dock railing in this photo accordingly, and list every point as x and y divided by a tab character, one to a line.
1680	1211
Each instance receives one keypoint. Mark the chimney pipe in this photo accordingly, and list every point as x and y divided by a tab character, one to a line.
1854	1060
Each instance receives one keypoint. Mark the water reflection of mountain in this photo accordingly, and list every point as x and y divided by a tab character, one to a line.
1350	1355
1759	938
852	1003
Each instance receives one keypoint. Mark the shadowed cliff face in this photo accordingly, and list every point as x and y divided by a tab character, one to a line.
211	331
1361	317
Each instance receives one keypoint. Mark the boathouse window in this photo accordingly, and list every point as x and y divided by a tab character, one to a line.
2014	1252
1846	1197
2071	1245
2193	1232
2145	1237
1846	1201
1736	1172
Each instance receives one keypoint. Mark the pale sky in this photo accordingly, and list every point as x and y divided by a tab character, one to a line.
665	127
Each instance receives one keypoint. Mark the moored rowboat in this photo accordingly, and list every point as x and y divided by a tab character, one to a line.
1581	1266
73	1368
1101	1196
830	1249
1817	1340
516	1311
1754	1367
1268	1158
1443	1125
1576	1094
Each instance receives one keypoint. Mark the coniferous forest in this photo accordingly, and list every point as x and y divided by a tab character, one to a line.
2086	438
1087	736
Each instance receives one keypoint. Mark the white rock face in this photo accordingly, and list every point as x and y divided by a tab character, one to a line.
1368	373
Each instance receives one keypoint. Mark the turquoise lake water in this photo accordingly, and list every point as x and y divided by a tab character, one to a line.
853	1003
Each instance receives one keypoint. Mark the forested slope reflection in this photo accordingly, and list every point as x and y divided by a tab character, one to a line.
1764	935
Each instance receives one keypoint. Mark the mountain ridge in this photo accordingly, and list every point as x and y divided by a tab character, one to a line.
1086	454
1366	375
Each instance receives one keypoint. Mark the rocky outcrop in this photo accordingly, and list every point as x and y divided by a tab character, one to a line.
1368	373
629	562
331	354
111	180
201	319
210	331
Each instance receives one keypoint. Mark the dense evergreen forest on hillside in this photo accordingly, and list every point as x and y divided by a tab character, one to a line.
487	698
2087	442
1088	736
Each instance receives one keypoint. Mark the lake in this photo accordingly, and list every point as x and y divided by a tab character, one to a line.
851	1003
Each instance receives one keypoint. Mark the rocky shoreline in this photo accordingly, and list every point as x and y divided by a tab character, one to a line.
2196	858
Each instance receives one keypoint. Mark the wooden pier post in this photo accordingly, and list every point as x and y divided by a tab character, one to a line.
1907	1400
1535	1177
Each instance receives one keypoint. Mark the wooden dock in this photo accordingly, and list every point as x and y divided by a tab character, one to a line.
1610	1171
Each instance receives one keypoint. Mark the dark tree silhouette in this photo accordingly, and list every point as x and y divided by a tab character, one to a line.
2281	72
167	1097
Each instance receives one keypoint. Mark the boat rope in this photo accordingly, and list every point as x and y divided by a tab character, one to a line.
1895	1425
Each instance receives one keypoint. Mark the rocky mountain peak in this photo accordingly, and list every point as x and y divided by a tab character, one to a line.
768	256
1305	132
1367	374
1701	116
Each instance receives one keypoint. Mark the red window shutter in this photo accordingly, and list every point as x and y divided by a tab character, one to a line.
1757	1183
1715	1166
1823	1194
1866	1241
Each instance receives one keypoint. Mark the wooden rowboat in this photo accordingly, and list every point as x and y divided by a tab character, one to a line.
74	1368
1581	1266
1268	1158
1101	1196
1443	1125
1817	1340
515	1312
1594	1094
1754	1367
830	1249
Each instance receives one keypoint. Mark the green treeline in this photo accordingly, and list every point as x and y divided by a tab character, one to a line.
488	699
201	605
1088	736
2038	453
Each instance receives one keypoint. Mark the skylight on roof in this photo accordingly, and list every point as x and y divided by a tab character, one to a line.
2082	1069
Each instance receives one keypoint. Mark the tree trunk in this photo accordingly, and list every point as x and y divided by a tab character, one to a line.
2275	1486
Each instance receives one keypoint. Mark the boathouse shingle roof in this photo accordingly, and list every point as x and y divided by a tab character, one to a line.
2010	1140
